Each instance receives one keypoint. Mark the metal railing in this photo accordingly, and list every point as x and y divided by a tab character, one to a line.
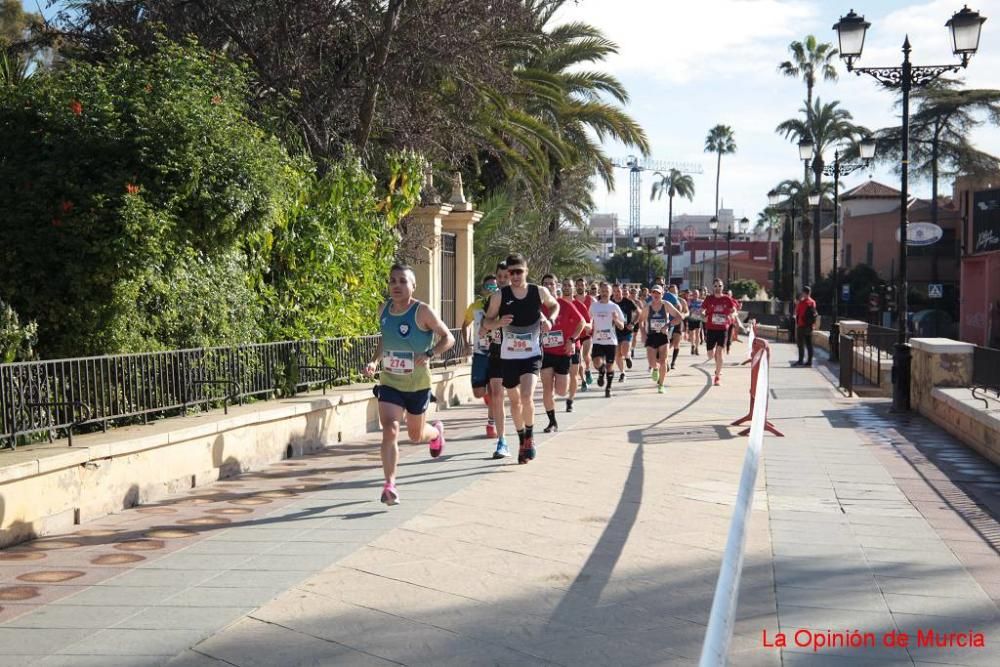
46	397
985	373
846	364
862	354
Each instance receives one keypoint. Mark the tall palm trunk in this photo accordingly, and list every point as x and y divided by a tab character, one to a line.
806	254
670	237
718	166
934	196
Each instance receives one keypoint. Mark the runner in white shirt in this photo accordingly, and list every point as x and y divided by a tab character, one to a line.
606	316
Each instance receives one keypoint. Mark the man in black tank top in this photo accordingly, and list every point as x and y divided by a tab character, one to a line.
517	308
495	371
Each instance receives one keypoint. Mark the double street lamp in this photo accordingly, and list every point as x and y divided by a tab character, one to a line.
649	246
807	151
966	27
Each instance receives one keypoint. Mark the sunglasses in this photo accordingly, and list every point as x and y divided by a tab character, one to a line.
515	272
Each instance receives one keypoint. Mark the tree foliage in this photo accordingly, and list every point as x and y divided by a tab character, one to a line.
721	140
744	288
145	210
640	267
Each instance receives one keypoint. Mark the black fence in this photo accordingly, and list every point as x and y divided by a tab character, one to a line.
985	372
46	397
876	345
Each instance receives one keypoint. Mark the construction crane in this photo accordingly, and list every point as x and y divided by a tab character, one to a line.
636	166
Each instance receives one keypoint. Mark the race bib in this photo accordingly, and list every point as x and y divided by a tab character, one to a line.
719	319
519	343
553	339
657	326
398	363
604	338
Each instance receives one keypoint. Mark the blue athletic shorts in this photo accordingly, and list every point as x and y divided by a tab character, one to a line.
414	402
480	370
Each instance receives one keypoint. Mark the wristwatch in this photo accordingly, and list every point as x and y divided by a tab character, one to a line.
429	353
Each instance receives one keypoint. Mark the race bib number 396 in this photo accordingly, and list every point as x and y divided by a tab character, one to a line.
518	342
719	318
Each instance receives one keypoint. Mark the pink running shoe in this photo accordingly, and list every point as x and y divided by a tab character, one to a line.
717	383
491	430
389	495
437	444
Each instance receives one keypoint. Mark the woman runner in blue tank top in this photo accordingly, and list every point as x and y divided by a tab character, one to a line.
405	351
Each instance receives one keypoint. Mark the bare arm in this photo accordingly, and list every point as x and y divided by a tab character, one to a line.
549	302
372	366
428	319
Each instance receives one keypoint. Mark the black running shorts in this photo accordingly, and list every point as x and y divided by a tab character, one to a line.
513	369
558	362
715	337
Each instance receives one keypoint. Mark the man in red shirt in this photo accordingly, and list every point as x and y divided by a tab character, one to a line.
720	312
805	322
558	347
583	301
574	361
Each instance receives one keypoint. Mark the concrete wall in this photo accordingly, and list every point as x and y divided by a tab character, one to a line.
49	488
940	390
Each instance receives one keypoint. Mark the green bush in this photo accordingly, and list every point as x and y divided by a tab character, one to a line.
16	339
326	261
144	210
744	288
128	189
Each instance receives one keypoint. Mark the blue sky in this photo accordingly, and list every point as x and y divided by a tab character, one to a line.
689	65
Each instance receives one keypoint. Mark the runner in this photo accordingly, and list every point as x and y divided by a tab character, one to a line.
404	391
559	347
695	320
607	317
625	333
583	300
495	373
677	331
633	294
656	323
479	340
574	368
719	312
518	309
731	334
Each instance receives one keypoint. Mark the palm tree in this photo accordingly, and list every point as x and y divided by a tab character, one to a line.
939	131
810	60
826	125
720	141
766	222
797	193
673	183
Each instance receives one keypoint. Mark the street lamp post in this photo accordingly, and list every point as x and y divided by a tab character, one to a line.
741	225
713	224
649	246
787	282
966	27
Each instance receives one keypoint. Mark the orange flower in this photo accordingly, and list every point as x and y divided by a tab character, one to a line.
132	188
76	107
216	99
66	206
148	88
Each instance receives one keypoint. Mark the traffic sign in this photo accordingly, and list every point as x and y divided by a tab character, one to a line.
845	291
935	291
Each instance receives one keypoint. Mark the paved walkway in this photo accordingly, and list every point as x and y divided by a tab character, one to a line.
603	551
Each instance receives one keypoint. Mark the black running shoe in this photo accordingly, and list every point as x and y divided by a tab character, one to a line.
607	391
569	405
551	427
621	378
600	379
628	362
